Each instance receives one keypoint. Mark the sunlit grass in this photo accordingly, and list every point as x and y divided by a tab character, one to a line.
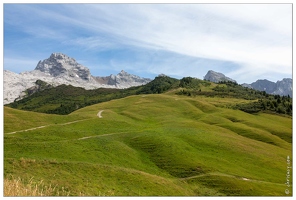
18	187
149	145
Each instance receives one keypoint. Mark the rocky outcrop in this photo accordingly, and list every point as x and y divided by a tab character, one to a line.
217	77
59	64
124	79
14	86
284	87
39	86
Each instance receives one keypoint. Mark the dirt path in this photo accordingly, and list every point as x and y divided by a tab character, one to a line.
31	129
94	136
100	114
231	176
39	127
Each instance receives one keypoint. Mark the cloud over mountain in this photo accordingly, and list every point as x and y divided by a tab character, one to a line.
249	41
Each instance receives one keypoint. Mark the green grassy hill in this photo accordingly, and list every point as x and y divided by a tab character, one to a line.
151	145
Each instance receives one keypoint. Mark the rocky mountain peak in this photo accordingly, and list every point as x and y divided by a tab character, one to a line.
126	80
217	77
60	56
59	64
284	87
122	72
264	85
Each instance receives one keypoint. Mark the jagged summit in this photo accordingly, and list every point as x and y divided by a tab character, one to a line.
59	64
60	56
126	80
123	72
217	77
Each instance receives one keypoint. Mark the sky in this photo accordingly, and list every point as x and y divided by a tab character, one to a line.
246	42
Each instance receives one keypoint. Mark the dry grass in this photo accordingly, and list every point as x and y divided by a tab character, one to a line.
18	187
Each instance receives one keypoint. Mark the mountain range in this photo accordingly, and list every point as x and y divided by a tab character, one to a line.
282	88
60	69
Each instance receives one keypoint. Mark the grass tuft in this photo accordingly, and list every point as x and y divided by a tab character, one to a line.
20	187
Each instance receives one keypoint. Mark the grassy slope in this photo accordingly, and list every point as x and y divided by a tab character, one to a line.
152	145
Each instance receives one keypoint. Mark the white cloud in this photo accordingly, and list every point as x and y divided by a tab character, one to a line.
258	37
91	43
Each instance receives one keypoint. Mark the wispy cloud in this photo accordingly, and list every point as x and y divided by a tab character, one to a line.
255	38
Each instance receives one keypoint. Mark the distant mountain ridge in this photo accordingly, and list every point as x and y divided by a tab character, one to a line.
217	77
61	69
282	88
122	80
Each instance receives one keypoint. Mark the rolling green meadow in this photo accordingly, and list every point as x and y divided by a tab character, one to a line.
151	145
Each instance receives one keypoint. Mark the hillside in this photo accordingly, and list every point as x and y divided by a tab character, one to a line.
152	145
65	99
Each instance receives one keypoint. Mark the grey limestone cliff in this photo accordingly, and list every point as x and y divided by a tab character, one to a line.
59	64
216	77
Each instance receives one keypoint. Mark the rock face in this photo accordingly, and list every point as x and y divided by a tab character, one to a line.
283	87
60	69
122	80
14	85
59	64
264	85
127	80
217	77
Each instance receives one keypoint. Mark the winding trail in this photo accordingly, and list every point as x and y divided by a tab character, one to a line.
231	176
100	114
39	127
94	136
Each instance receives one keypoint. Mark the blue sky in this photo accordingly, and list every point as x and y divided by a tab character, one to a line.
244	41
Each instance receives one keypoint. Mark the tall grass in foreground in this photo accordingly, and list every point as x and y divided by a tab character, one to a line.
18	187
